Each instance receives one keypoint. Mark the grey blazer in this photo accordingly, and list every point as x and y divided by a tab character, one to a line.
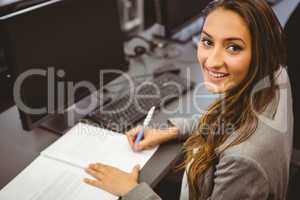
258	168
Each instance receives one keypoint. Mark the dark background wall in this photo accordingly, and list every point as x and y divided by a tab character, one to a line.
149	13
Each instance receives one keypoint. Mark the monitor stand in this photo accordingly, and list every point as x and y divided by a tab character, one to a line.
60	123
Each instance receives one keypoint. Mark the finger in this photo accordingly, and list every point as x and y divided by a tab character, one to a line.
132	134
98	167
135	171
130	140
104	169
94	183
144	144
95	174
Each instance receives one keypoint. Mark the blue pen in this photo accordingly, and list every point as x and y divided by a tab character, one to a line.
145	124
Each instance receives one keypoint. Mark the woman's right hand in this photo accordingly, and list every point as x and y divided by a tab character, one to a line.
152	137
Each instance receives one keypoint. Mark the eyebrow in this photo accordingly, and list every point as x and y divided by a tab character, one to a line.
230	38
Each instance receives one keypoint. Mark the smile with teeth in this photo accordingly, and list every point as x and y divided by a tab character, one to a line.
217	74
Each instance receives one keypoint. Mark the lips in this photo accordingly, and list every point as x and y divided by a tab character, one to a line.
216	75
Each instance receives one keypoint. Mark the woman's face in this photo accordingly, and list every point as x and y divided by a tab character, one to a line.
224	51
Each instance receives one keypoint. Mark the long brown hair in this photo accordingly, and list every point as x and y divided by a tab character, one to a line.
268	54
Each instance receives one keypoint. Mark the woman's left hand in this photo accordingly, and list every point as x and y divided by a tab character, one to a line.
112	179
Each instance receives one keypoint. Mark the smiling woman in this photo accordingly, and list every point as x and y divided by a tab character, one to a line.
242	56
225	50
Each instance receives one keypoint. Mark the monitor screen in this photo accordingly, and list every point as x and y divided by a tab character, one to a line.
72	39
178	13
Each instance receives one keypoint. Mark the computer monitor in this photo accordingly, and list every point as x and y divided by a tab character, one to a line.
177	14
75	39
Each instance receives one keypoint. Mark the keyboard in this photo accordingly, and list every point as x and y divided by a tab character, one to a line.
123	113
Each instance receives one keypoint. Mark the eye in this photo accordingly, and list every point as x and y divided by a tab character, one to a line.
234	48
206	42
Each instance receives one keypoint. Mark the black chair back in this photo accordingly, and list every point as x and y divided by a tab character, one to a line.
292	31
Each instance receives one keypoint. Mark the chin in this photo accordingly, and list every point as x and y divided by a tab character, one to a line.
215	89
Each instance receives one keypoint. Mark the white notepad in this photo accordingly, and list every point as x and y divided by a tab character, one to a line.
57	173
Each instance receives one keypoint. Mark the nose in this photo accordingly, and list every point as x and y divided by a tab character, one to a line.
215	58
